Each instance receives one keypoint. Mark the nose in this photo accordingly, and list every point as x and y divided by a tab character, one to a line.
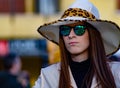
72	34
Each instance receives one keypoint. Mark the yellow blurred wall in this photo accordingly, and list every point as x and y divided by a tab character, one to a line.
25	25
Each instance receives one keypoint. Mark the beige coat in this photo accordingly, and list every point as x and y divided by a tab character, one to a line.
49	77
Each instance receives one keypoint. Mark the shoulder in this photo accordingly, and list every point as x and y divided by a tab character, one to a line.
49	77
1	73
53	66
115	68
50	70
114	65
4	74
9	81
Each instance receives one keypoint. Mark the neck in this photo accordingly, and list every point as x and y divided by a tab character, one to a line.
80	57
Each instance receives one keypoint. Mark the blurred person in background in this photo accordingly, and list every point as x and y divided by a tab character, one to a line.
85	41
12	67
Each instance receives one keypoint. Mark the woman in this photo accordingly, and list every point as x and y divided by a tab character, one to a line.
85	41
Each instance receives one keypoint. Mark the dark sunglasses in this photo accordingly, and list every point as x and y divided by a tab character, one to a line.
78	29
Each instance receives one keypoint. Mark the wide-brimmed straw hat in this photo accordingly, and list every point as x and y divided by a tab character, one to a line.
83	10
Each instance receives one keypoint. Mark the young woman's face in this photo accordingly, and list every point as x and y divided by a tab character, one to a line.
76	44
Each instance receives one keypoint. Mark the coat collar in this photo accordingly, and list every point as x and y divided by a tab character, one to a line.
93	85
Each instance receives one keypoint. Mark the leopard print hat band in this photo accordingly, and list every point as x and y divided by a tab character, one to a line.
77	12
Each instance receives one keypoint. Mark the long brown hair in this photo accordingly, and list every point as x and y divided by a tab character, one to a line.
98	64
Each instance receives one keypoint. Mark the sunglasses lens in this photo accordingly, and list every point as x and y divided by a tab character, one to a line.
64	30
79	30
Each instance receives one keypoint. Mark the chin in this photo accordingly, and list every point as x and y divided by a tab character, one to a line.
74	52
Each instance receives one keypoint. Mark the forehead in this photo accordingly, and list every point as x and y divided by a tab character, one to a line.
77	23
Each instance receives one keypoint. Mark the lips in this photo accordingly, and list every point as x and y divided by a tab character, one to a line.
73	43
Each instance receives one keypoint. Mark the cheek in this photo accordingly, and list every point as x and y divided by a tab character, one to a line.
85	41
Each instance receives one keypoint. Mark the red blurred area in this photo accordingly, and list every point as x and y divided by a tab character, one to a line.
4	49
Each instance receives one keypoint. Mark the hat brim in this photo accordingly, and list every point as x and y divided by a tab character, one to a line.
110	32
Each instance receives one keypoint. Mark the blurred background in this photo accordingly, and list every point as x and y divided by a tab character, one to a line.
19	20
